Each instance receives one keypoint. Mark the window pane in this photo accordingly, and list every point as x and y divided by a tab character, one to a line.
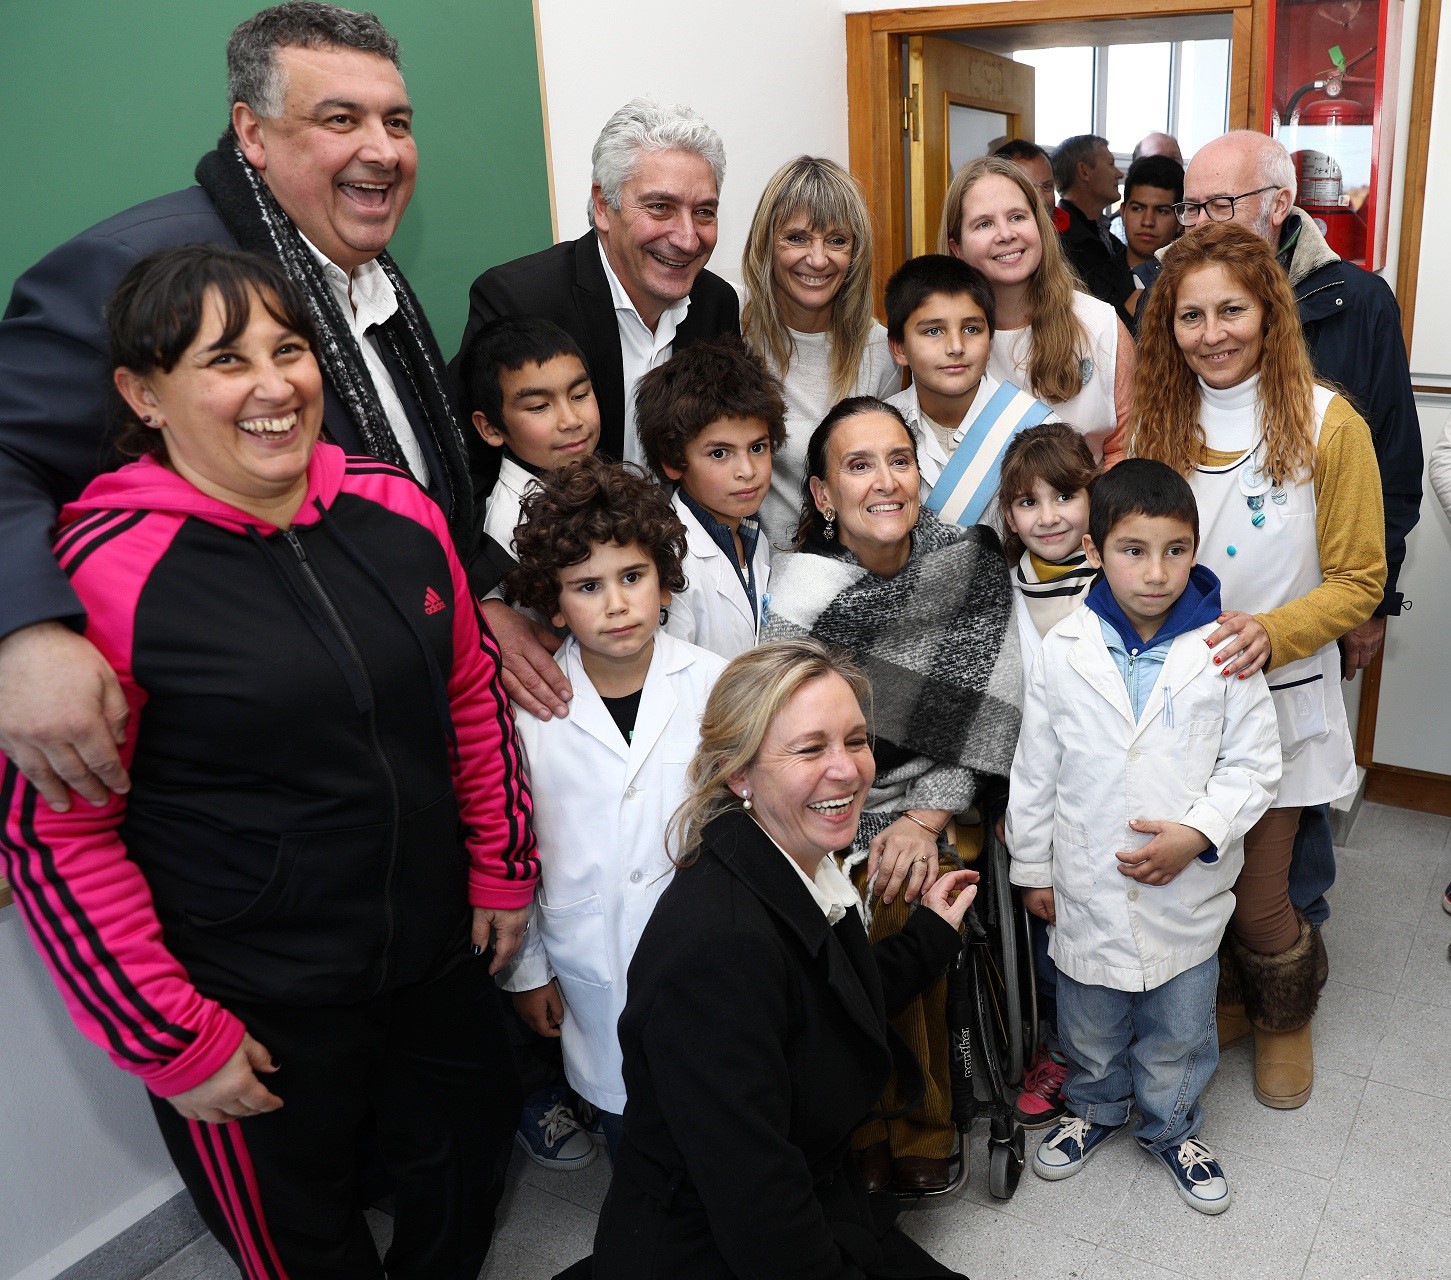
1138	93
970	132
1062	92
1203	93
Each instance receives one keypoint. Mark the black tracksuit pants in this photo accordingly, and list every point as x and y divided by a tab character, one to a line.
423	1076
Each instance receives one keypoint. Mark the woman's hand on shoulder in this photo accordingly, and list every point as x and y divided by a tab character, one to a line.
1240	643
233	1091
951	895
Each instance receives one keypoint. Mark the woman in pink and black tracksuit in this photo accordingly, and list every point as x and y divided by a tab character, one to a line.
285	929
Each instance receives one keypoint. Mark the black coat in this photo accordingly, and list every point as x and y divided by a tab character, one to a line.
567	284
1353	329
1105	273
755	1042
56	430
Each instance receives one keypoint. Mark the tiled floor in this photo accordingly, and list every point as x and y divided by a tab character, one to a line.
1351	1187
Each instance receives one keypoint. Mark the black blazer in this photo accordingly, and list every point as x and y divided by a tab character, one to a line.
755	1042
566	284
1106	275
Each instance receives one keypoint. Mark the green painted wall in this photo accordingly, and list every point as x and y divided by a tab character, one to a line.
105	103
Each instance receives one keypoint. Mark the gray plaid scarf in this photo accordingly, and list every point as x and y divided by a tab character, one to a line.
939	644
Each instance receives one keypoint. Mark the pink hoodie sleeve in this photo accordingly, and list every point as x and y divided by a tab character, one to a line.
85	903
489	777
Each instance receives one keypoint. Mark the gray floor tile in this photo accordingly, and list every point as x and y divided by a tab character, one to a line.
1372	1237
508	1263
991	1243
1117	1266
205	1259
1397	1146
585	1187
1402	832
1349	1026
537	1223
1310	1138
1416	1051
1369	950
1379	883
1427	975
1264	1235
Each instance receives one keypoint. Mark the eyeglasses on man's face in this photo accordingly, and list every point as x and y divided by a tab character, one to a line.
1216	208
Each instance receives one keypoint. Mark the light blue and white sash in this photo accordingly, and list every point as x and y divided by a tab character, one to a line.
970	478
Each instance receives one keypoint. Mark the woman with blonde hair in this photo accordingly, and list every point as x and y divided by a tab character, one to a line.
755	1036
808	313
1052	338
1290	519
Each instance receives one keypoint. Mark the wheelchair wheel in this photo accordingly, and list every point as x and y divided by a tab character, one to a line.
1005	1167
1010	972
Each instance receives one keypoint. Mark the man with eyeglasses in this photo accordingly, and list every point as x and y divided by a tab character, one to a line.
1352	326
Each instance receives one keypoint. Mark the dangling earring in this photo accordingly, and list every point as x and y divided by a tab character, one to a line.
664	616
745	800
829	532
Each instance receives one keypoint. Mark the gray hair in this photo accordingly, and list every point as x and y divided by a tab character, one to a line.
1275	168
1069	154
642	124
254	75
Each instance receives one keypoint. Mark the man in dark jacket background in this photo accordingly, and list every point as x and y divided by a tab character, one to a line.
1353	329
1088	182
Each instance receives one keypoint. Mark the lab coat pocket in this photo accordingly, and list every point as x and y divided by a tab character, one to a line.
1073	869
1299	693
575	940
1202	749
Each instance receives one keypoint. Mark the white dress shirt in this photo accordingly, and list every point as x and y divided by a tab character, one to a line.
640	350
366	300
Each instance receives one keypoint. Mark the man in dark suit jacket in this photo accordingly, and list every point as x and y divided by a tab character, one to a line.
345	190
653	215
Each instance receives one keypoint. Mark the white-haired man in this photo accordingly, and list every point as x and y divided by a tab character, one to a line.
633	288
1352	326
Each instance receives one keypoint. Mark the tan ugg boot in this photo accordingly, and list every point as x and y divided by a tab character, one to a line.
1280	997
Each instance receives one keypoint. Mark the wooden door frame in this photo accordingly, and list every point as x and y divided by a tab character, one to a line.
874	85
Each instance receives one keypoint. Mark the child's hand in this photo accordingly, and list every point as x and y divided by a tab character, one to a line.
1039	902
1173	848
1246	644
542	1009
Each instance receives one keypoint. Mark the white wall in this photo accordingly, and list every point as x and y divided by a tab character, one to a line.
80	1157
769	75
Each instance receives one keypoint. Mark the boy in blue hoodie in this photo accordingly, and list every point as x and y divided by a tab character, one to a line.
1139	769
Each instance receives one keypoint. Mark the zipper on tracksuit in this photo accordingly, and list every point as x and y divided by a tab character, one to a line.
335	618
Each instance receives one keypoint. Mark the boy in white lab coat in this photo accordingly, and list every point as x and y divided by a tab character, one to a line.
1139	769
709	420
599	554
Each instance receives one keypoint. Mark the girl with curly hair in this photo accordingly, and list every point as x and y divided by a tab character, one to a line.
1290	517
599	552
1051	338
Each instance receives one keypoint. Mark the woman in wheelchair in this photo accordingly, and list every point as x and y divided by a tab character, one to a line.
926	609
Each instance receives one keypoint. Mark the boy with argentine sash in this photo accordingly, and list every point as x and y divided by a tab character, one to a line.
940	326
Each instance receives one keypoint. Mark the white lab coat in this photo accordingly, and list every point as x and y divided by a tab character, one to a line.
713	611
601	808
1084	769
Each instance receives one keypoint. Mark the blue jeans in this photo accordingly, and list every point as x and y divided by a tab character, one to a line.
1046	974
1312	865
612	1124
1156	1049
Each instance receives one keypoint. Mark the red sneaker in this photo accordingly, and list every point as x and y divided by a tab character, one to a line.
1041	1102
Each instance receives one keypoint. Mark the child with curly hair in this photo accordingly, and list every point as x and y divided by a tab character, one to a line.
600	552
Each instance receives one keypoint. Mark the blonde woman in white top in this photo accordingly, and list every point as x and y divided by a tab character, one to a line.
808	313
1053	339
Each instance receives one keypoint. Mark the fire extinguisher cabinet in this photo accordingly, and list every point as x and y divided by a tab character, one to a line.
1331	99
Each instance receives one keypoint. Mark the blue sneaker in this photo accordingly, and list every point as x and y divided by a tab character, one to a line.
550	1135
1068	1145
590	1118
1198	1179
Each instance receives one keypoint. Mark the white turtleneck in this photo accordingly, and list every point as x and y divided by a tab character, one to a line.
1230	417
